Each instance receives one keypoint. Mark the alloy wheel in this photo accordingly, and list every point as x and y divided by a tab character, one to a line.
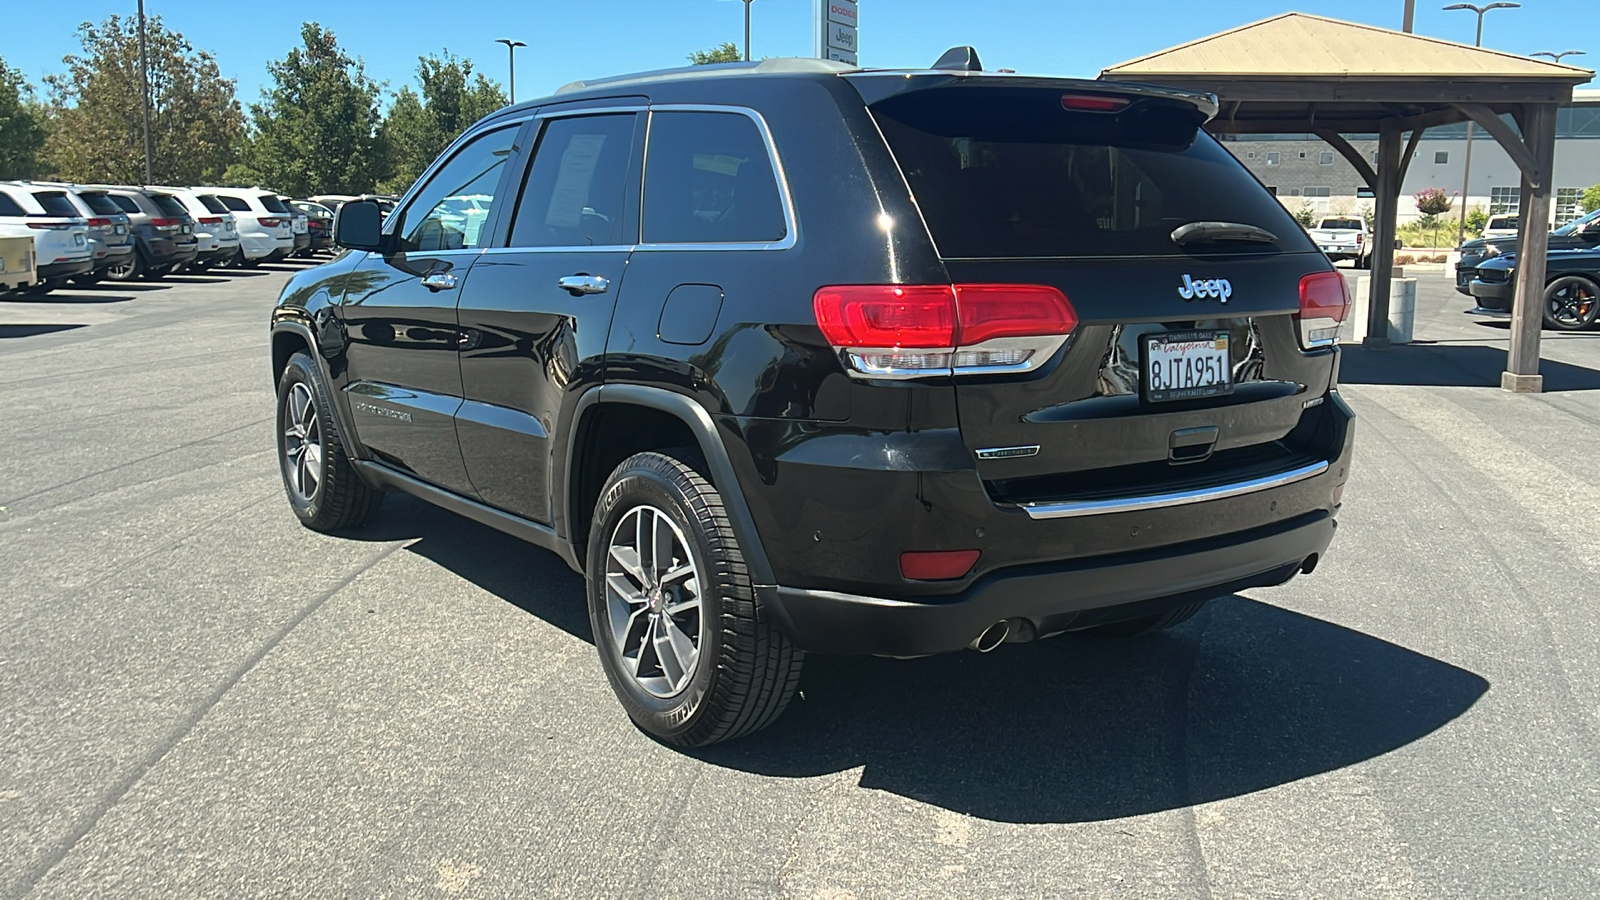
302	443
1572	304
653	601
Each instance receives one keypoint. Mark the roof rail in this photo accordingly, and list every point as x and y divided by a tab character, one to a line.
776	66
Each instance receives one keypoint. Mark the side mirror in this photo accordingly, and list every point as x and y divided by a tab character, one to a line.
359	226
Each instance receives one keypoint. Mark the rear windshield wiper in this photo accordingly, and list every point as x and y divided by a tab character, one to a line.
1206	232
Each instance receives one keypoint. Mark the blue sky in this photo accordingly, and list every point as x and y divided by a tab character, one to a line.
591	38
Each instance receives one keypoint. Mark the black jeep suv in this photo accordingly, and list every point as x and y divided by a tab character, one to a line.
796	357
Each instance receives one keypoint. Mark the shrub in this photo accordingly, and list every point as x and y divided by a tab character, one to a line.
1404	259
1478	217
1591	199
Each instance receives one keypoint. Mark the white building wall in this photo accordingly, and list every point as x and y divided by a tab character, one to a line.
1577	166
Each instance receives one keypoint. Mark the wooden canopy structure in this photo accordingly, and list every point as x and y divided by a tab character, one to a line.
1298	73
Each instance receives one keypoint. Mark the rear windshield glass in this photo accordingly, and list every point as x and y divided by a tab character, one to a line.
1341	224
101	203
1009	172
237	204
169	205
56	203
9	207
212	204
273	204
126	203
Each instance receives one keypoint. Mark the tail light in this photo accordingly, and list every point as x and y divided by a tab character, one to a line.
272	223
99	223
1093	102
165	224
1324	303
1360	240
913	331
49	226
210	220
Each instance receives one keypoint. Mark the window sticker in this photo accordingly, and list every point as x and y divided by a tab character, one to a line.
571	192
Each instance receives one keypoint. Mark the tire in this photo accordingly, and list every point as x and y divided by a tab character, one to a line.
132	270
323	488
743	670
1150	624
1571	303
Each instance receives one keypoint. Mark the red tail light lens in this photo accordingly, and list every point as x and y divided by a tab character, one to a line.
272	223
888	331
99	223
936	565
1324	303
210	220
1092	102
165	223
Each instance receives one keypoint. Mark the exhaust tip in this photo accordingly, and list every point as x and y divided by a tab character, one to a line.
1310	565
991	637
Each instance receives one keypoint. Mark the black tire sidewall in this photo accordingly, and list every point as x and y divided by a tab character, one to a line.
637	482
1549	292
300	370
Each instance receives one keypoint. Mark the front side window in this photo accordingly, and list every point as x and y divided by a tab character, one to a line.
437	219
708	179
576	191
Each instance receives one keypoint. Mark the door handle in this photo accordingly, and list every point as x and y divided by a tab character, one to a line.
439	281
583	284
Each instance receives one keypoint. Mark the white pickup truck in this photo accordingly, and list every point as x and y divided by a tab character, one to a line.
1344	237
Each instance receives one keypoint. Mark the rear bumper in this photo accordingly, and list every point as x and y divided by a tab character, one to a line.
114	256
66	269
1053	598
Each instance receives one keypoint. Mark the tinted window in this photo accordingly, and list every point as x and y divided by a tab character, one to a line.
100	203
1011	173
9	207
1354	224
574	195
169	205
709	180
127	204
56	203
272	204
236	204
212	204
445	215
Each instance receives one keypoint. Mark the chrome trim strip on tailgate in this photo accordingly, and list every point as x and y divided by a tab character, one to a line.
1072	508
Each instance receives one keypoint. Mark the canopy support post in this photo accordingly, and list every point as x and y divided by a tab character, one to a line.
1533	227
1386	212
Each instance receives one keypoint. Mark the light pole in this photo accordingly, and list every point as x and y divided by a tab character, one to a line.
747	29
1556	57
511	48
1466	168
1410	16
144	100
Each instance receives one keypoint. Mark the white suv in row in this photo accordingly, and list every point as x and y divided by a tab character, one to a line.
265	224
61	247
214	226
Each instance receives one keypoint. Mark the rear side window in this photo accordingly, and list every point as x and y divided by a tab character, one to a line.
9	207
273	204
709	180
56	203
1010	172
212	204
575	192
126	204
236	204
100	203
169	205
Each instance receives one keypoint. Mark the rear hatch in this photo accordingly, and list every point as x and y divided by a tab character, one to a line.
118	234
174	221
1189	361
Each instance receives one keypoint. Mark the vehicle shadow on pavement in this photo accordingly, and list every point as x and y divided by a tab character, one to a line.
1245	697
59	297
16	331
1452	366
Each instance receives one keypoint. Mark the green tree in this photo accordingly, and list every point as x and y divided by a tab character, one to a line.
1591	199
1477	219
1306	215
316	128
22	126
725	52
419	127
196	125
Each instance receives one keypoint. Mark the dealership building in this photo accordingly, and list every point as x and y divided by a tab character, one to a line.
1303	170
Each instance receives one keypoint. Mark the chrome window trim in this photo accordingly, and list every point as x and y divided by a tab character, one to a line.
575	248
403	205
791	223
1076	508
541	118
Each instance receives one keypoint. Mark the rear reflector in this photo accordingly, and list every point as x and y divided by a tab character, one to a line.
1092	102
936	565
910	331
1324	303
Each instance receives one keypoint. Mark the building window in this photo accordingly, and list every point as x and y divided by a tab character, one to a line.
1364	193
1302	154
1317	192
1326	158
1374	157
1294	192
1272	157
1441	157
1251	154
1569	205
1272	189
1504	200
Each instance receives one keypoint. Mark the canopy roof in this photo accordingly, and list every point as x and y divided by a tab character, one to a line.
1299	72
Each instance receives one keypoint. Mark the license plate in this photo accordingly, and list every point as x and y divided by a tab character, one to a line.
122	229
80	240
1186	365
188	229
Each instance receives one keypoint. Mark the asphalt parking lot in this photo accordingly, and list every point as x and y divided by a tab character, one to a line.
199	698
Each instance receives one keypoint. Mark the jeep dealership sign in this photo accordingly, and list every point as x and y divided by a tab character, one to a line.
835	26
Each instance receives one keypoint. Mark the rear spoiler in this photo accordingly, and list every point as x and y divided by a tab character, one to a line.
877	85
